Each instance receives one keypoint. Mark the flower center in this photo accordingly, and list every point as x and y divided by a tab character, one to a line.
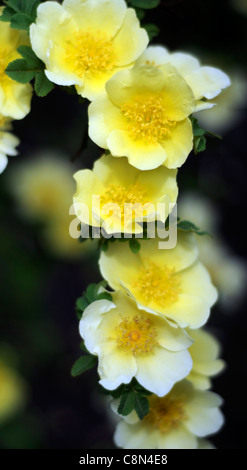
136	335
165	413
133	194
147	119
157	283
90	52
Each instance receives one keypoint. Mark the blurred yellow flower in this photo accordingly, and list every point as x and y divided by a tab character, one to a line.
15	98
8	142
205	82
204	352
12	391
144	116
117	183
44	189
177	421
44	186
227	270
170	282
131	342
83	43
230	106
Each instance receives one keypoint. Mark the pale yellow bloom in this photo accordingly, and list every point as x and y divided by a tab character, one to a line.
230	106
205	82
227	270
44	189
144	116
171	282
84	42
15	98
57	239
131	342
205	355
177	421
8	142
44	186
12	391
112	183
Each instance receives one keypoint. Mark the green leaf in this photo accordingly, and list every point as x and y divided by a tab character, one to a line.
20	71
152	30
27	53
91	292
127	403
141	406
197	129
20	13
83	347
7	14
23	6
140	13
42	85
187	226
81	304
118	392
17	5
104	295
82	364
21	21
146	4
134	245
200	144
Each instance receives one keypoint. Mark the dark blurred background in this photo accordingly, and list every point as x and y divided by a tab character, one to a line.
38	324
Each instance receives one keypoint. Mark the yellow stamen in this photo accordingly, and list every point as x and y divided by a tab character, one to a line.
137	335
146	117
165	413
157	283
120	195
90	52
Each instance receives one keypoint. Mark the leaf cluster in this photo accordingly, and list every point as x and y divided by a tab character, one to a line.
187	226
28	68
20	13
199	141
131	397
92	293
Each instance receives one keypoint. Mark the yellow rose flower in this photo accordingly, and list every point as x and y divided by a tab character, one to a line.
144	116
204	352
83	43
177	421
15	98
134	343
12	391
8	142
117	183
170	282
205	82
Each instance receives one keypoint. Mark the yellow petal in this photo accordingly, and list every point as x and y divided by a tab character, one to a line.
178	144
140	154
131	40
97	15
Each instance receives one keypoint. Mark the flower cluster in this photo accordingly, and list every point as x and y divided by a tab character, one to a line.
146	333
15	98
